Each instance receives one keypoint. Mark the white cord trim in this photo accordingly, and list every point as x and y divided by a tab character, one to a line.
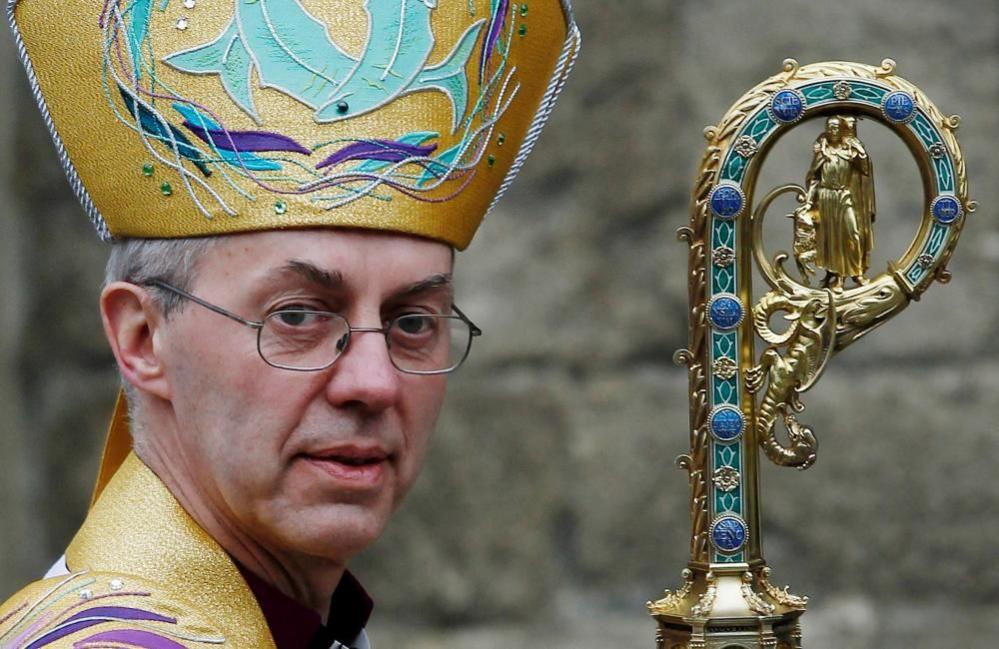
67	165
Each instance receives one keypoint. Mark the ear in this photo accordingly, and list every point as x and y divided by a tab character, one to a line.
132	323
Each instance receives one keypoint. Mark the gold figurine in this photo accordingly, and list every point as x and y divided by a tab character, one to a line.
839	205
741	402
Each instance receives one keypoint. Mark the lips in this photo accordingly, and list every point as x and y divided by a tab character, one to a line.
352	466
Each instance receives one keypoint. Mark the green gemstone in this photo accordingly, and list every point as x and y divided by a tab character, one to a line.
523	30
501	139
523	9
166	189
491	160
147	169
280	207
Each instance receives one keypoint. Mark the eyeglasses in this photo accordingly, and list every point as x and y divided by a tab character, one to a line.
307	340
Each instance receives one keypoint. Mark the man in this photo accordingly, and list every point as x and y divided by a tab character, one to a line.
284	184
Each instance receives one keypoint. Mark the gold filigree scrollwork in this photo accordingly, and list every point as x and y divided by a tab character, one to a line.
696	235
755	603
706	602
782	595
673	601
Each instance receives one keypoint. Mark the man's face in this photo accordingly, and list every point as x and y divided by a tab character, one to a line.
305	463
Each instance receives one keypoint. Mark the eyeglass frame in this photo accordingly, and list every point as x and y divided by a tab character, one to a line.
473	330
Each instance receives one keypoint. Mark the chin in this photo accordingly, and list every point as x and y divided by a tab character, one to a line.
335	532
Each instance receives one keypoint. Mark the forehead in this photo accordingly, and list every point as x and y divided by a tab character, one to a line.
362	258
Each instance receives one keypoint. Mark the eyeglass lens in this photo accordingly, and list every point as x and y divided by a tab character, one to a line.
304	340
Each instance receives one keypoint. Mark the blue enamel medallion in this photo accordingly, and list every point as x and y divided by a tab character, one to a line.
725	311
898	106
728	533
787	106
946	209
727	423
727	201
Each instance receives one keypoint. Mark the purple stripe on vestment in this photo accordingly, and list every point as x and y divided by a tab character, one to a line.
122	613
83	620
131	637
247	140
385	150
495	29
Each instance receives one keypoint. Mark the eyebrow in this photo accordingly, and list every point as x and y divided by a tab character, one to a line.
311	273
434	282
332	279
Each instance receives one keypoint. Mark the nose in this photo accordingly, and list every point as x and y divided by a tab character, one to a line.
364	376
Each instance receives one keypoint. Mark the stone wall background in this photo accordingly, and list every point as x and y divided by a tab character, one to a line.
550	510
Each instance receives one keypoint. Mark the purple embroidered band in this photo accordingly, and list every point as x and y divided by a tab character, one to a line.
385	150
247	140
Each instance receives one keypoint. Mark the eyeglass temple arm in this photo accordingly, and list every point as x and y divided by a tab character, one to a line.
471	325
208	305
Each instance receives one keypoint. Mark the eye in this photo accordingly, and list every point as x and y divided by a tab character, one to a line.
296	316
414	324
292	318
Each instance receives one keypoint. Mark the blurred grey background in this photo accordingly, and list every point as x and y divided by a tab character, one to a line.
550	510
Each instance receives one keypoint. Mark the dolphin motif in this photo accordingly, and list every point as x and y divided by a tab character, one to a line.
292	52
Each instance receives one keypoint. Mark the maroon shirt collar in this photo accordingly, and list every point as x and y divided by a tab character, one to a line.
296	626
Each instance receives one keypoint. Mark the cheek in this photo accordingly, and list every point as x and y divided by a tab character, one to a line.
235	415
424	396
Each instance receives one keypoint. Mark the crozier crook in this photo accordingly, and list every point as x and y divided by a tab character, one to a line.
830	297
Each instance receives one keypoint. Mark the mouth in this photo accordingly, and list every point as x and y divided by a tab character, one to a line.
351	466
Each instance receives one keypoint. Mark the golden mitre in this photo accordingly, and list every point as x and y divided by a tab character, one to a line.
181	118
178	118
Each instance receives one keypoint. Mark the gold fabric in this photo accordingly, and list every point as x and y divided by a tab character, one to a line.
71	56
117	446
139	548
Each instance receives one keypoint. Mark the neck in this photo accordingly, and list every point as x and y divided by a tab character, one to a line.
307	579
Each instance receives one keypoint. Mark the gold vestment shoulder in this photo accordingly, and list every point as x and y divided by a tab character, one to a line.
143	574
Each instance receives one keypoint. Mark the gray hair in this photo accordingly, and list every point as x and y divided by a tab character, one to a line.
174	261
137	261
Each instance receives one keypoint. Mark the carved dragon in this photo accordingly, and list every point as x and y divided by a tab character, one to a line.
809	341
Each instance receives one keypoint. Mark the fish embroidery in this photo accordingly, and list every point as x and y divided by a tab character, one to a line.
292	52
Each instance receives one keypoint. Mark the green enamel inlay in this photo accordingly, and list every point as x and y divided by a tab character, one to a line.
818	93
868	93
945	174
724	234
759	126
726	558
722	280
936	241
726	391
724	343
924	130
734	168
937	237
727	502
727	455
